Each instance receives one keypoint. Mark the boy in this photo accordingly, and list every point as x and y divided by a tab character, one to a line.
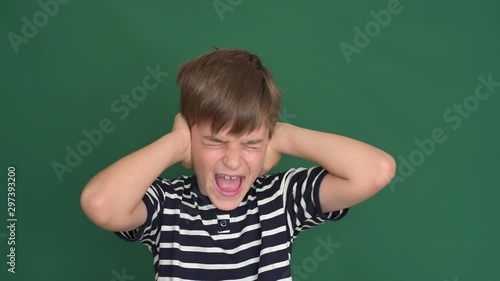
231	221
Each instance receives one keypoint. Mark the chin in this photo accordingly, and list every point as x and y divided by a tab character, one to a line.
226	206
227	203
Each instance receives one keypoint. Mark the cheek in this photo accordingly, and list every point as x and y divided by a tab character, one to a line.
205	159
255	159
198	156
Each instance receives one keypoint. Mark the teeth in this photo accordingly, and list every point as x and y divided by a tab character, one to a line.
226	177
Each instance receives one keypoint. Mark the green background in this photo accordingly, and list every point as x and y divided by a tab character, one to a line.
440	222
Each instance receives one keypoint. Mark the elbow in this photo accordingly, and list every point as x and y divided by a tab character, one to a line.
105	212
386	172
93	206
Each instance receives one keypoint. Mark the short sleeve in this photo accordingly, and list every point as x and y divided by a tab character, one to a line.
149	233
301	195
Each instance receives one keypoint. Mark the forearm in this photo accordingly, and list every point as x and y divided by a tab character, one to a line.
341	156
119	188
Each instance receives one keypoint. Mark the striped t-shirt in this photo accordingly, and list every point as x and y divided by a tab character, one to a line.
190	239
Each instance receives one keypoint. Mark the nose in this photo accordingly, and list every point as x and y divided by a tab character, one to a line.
232	157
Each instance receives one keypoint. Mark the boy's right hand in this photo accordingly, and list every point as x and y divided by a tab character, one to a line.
180	126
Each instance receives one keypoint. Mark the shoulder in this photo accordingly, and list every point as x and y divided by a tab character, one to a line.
178	186
177	181
280	181
291	175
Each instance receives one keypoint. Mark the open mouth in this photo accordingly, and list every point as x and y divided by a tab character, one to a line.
228	185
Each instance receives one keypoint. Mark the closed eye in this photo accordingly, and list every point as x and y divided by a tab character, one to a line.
214	144
253	147
254	144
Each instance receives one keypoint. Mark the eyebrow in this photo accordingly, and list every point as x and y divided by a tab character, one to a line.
256	141
215	139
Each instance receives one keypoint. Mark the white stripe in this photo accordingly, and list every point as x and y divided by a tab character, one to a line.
250	278
273	249
274	266
183	231
238	249
242	217
205	233
206	266
273	231
188	216
303	205
274	214
271	198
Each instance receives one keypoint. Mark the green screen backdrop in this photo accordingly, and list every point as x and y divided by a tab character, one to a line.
418	79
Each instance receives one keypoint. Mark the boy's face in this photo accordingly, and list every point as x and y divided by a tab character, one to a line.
227	165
